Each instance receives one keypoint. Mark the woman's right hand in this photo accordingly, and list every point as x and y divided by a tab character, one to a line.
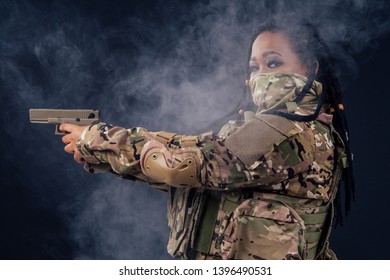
72	135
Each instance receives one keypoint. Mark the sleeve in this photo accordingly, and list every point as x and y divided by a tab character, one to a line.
126	152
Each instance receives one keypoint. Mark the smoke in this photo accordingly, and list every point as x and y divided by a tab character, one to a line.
163	65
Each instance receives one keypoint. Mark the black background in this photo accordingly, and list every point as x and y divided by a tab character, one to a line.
50	209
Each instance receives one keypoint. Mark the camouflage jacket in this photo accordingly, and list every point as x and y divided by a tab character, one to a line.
262	189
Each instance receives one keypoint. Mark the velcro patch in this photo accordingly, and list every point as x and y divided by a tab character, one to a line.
258	137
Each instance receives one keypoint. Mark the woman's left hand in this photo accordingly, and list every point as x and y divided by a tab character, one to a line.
73	133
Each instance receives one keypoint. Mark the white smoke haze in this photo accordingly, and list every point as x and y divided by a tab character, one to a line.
120	224
175	67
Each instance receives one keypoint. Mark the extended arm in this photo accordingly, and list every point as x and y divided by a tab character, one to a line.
204	160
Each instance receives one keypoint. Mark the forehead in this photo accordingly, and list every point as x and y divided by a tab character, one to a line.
271	41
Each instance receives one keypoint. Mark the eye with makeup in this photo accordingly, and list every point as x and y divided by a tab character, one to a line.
274	62
253	68
269	62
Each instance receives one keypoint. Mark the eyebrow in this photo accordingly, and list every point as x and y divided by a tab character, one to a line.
270	52
266	54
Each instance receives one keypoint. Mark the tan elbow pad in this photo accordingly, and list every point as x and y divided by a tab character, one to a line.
157	163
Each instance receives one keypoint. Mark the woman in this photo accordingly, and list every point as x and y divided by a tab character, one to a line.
259	189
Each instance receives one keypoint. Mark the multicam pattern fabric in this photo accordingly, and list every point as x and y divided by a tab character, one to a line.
272	91
261	204
264	224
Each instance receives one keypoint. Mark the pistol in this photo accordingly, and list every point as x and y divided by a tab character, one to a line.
59	116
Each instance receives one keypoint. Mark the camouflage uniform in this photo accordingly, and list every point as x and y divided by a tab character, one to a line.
259	189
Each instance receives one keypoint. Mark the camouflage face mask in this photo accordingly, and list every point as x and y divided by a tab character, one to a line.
274	91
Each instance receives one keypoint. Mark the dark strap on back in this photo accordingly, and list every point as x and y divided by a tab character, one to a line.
206	227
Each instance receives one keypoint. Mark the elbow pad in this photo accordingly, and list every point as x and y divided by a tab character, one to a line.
159	163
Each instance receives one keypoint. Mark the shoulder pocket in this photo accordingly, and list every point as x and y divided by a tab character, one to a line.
263	229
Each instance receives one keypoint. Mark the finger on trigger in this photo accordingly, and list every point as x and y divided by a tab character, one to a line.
66	127
62	127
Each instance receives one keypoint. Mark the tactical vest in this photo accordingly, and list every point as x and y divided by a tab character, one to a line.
198	232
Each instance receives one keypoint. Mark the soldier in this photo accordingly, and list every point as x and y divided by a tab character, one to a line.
260	189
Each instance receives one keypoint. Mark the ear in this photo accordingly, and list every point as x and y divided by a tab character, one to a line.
316	66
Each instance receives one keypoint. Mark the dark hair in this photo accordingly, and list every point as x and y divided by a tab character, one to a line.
310	48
